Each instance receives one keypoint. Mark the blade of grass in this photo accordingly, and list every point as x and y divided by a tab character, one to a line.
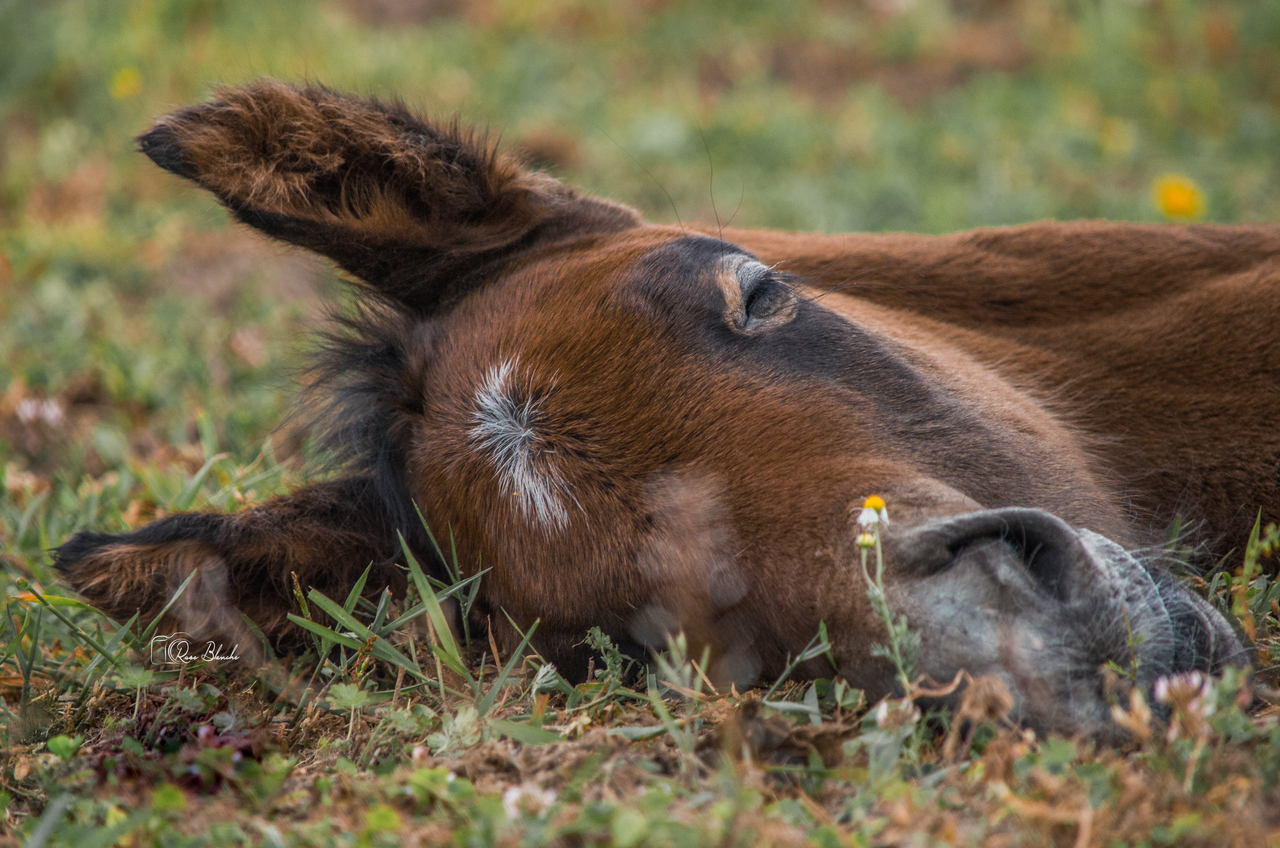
27	663
815	648
112	652
381	612
677	733
55	601
357	590
486	703
795	707
75	628
27	514
420	608
450	655
525	734
407	616
326	633
382	649
637	734
430	535
474	593
49	821
188	494
155	622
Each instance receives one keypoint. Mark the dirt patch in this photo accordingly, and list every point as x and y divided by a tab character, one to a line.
218	265
402	12
825	72
79	198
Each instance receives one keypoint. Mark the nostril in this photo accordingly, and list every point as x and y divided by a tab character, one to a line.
1047	547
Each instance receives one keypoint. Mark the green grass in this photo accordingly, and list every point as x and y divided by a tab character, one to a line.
146	354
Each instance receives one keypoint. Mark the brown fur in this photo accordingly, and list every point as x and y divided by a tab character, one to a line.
705	447
1159	344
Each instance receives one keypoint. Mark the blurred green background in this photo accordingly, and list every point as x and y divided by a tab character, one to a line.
140	334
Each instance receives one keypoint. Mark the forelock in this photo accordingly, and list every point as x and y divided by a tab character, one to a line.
507	421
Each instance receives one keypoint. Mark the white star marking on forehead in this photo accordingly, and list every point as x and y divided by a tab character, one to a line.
506	429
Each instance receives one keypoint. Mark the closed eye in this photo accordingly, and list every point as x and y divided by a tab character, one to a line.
766	300
755	298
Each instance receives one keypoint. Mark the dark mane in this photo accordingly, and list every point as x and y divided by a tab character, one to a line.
362	394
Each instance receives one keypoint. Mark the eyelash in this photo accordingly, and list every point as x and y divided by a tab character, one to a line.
769	289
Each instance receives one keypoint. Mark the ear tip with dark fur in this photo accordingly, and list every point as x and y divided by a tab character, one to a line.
161	145
73	551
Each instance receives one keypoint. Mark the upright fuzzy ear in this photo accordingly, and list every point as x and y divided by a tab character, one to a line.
411	208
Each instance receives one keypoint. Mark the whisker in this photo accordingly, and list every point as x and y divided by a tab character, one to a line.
711	182
648	174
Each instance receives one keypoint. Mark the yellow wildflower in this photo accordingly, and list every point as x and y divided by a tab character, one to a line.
866	540
126	82
873	512
1178	197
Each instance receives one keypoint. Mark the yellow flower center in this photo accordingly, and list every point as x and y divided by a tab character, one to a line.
874	502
